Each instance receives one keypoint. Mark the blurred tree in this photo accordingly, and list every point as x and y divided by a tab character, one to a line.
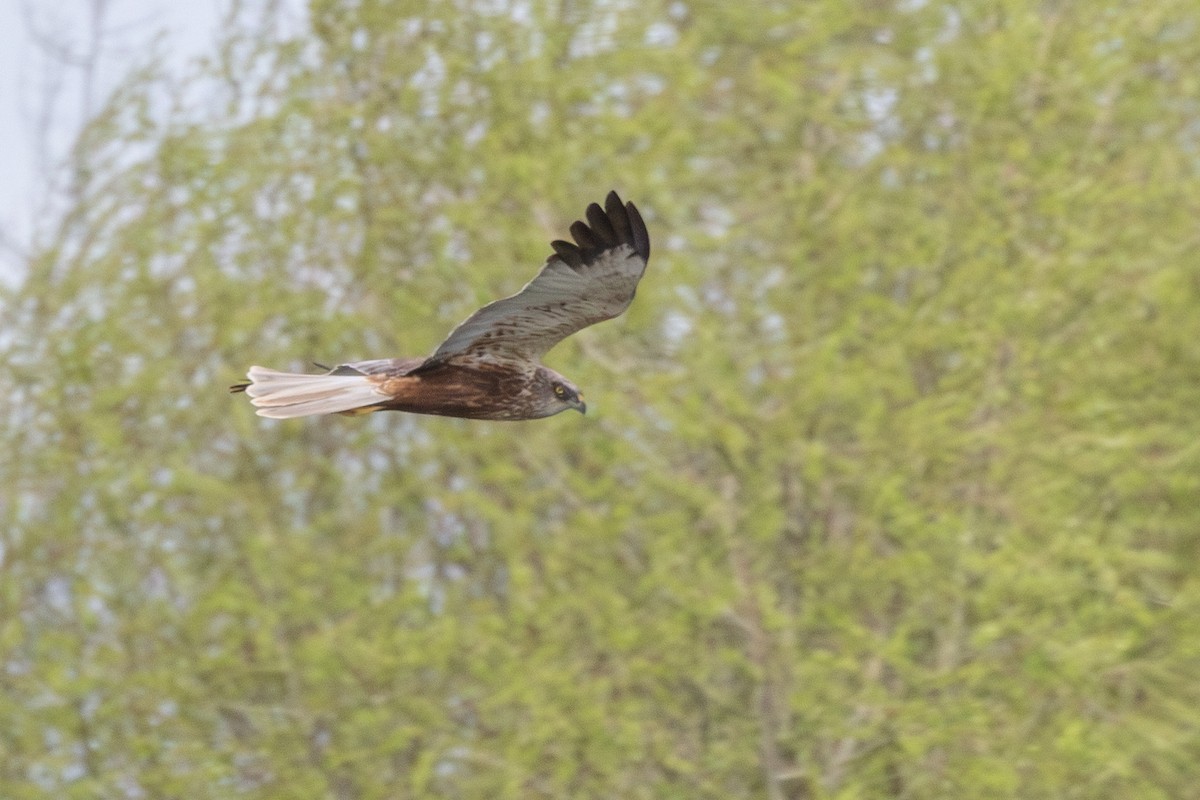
891	488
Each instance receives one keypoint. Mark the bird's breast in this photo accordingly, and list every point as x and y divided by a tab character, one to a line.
480	391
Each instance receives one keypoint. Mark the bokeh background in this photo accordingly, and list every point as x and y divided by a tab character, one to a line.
890	483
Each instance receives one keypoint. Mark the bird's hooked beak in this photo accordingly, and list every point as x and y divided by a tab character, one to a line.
579	405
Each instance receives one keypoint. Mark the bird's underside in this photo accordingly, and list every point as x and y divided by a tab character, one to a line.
488	367
486	391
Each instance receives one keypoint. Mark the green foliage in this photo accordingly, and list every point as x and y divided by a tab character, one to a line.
889	490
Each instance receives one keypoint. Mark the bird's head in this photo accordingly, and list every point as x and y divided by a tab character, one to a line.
558	394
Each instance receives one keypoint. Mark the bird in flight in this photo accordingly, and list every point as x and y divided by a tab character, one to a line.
488	367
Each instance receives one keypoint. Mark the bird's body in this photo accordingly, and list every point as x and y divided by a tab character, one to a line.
488	367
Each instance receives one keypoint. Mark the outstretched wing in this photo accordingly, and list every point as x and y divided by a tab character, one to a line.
580	285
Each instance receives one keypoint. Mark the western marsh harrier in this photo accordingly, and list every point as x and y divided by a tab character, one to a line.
488	367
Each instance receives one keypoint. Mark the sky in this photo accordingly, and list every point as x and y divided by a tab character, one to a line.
36	134
43	104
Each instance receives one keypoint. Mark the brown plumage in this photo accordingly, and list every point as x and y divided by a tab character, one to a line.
488	367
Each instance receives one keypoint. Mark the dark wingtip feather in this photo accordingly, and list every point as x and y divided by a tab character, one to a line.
617	215
602	227
586	238
569	253
615	224
641	237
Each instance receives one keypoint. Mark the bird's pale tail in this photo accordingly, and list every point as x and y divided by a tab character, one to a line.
283	395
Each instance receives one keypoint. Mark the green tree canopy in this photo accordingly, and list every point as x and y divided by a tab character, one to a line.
890	487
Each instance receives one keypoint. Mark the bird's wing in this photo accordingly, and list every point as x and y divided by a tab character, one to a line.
580	285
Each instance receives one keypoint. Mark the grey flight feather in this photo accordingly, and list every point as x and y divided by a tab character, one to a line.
580	285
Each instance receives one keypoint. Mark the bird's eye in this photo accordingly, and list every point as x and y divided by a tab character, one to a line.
559	390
